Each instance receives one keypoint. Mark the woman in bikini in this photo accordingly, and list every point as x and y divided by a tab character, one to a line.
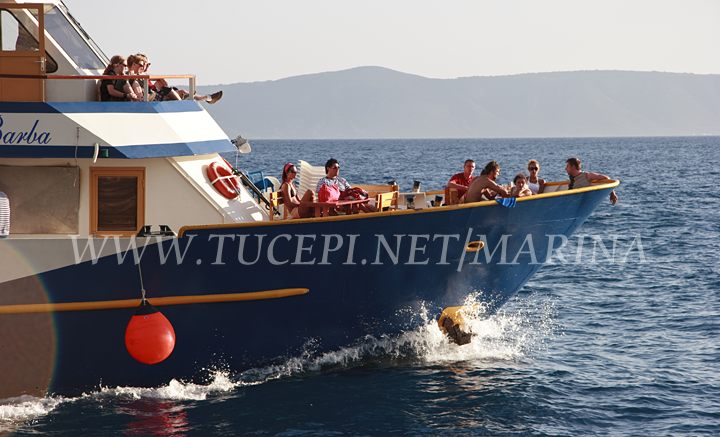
297	207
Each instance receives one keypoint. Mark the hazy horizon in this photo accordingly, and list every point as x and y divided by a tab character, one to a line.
231	41
459	77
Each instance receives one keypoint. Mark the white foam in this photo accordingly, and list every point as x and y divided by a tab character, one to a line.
174	390
15	411
504	336
501	337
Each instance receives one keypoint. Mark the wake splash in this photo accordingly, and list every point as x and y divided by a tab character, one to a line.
504	336
499	338
15	412
175	390
24	408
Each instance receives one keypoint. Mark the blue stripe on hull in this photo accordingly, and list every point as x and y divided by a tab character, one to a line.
99	107
130	152
133	151
345	302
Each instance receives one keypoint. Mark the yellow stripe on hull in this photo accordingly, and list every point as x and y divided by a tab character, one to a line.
158	301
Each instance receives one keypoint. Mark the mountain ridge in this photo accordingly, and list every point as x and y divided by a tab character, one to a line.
377	102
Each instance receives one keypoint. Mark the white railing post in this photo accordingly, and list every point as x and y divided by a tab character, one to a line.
192	86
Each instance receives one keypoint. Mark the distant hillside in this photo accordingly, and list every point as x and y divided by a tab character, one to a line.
374	102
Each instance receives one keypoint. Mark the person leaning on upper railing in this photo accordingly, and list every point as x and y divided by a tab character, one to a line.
485	185
115	89
580	179
161	90
166	92
137	64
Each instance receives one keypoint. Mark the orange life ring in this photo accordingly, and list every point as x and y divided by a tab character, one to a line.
223	179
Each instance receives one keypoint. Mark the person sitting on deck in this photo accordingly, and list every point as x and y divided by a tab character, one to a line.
291	200
333	182
461	181
114	90
484	186
137	64
580	179
535	182
331	179
520	188
163	91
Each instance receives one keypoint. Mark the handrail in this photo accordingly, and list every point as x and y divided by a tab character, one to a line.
191	78
485	203
124	76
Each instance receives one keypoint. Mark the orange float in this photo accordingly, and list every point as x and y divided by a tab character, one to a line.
149	336
223	179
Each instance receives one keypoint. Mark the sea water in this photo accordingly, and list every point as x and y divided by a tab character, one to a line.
620	336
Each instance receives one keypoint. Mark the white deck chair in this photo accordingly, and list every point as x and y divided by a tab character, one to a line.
308	176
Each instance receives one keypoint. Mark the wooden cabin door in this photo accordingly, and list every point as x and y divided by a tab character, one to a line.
22	52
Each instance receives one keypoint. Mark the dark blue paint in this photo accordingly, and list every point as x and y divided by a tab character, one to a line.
345	303
602	348
99	107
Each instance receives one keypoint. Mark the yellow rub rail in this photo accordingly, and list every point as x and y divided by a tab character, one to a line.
158	301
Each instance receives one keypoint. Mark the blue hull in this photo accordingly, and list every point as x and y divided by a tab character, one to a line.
366	275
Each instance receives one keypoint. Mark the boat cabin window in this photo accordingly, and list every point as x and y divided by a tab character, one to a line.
15	37
74	44
117	200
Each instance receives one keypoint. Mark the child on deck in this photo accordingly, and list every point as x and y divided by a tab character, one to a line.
521	188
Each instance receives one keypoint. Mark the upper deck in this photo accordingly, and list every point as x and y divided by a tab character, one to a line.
49	73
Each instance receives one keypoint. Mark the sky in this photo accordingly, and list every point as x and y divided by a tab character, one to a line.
229	41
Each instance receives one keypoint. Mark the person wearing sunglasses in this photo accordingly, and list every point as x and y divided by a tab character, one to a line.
115	90
291	200
534	181
333	187
137	64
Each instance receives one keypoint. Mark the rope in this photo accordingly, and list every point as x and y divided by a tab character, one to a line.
220	178
142	286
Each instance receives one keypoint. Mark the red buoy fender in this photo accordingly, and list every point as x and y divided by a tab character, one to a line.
223	179
149	336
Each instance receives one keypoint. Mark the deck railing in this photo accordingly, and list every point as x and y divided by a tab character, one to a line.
147	78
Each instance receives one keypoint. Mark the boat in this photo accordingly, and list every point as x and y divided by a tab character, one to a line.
104	218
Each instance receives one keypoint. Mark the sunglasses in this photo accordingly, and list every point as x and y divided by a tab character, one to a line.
532	168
